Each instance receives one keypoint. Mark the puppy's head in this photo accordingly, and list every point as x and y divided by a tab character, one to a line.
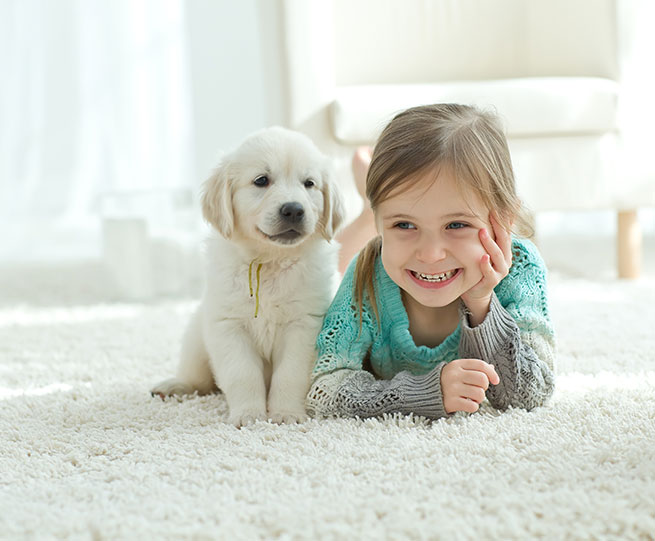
276	189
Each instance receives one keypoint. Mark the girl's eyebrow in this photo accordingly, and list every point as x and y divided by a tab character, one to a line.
459	215
397	217
452	216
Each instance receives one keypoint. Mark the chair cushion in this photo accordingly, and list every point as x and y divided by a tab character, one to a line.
530	107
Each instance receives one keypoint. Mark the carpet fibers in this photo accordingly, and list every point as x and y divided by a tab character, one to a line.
86	453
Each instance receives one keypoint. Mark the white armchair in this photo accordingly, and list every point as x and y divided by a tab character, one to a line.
564	76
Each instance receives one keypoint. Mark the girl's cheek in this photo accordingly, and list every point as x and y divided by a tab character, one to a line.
475	250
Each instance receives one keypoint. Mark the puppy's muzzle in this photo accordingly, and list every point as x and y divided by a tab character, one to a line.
292	213
289	224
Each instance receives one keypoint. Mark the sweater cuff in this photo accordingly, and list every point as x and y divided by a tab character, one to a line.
489	337
423	394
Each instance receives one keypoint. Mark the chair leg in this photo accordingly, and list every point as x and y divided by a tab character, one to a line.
629	244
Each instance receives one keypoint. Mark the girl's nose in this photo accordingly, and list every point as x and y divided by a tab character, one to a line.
430	249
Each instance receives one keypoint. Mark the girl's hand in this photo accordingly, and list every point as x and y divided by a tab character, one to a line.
464	382
494	265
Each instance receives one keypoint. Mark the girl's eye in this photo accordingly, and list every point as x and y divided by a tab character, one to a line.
456	225
404	225
261	181
309	183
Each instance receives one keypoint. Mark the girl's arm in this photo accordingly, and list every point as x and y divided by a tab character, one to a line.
526	379
356	393
516	338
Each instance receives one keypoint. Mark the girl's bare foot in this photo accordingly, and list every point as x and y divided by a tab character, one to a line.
360	163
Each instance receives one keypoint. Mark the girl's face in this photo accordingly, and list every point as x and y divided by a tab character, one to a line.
430	243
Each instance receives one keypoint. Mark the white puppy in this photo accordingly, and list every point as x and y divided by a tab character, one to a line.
271	275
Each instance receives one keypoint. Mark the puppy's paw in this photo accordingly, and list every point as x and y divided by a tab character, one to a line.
171	387
246	418
288	418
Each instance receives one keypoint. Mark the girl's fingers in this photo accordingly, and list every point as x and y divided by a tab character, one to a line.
468	391
478	365
476	379
503	239
488	272
474	393
488	280
463	404
498	257
491	246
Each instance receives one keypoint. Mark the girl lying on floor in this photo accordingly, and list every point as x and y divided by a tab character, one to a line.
444	306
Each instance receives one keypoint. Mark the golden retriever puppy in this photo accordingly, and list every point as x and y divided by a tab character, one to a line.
271	275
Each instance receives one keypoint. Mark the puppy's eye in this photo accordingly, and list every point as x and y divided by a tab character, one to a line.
261	181
309	183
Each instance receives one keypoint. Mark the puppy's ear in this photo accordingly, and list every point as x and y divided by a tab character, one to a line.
217	201
333	206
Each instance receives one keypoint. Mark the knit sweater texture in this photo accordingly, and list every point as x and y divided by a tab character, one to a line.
516	337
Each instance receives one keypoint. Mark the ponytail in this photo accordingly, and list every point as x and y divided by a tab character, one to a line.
365	278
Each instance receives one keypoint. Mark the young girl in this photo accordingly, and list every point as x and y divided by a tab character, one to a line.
444	307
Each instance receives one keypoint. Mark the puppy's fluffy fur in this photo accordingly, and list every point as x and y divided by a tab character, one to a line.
271	275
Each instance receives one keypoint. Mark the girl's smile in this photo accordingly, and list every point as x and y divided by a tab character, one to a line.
435	281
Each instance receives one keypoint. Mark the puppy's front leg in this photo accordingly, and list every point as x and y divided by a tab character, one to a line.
293	361
238	370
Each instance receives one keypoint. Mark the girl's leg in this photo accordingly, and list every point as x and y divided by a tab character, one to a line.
355	236
360	163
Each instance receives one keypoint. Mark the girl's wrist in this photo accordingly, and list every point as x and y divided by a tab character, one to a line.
477	310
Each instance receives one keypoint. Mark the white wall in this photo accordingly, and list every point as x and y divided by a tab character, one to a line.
117	96
236	73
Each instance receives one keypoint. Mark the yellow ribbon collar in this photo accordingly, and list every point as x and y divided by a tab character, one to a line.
259	268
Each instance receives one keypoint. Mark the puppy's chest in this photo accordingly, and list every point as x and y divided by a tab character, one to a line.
272	293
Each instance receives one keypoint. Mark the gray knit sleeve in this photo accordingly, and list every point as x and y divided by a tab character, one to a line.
356	393
526	380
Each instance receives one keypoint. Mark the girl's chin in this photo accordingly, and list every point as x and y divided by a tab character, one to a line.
440	297
432	298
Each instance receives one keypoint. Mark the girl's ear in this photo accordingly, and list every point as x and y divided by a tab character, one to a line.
217	201
333	207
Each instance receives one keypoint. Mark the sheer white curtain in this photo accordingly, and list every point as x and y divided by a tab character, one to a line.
95	123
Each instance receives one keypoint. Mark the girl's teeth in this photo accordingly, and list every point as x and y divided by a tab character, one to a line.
435	277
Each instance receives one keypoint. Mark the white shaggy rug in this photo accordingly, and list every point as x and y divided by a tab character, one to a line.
86	453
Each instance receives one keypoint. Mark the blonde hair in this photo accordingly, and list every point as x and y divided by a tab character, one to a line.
469	141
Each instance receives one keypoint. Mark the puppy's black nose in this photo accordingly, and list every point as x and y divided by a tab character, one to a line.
292	212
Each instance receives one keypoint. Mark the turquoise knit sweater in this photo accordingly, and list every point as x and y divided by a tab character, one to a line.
516	337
